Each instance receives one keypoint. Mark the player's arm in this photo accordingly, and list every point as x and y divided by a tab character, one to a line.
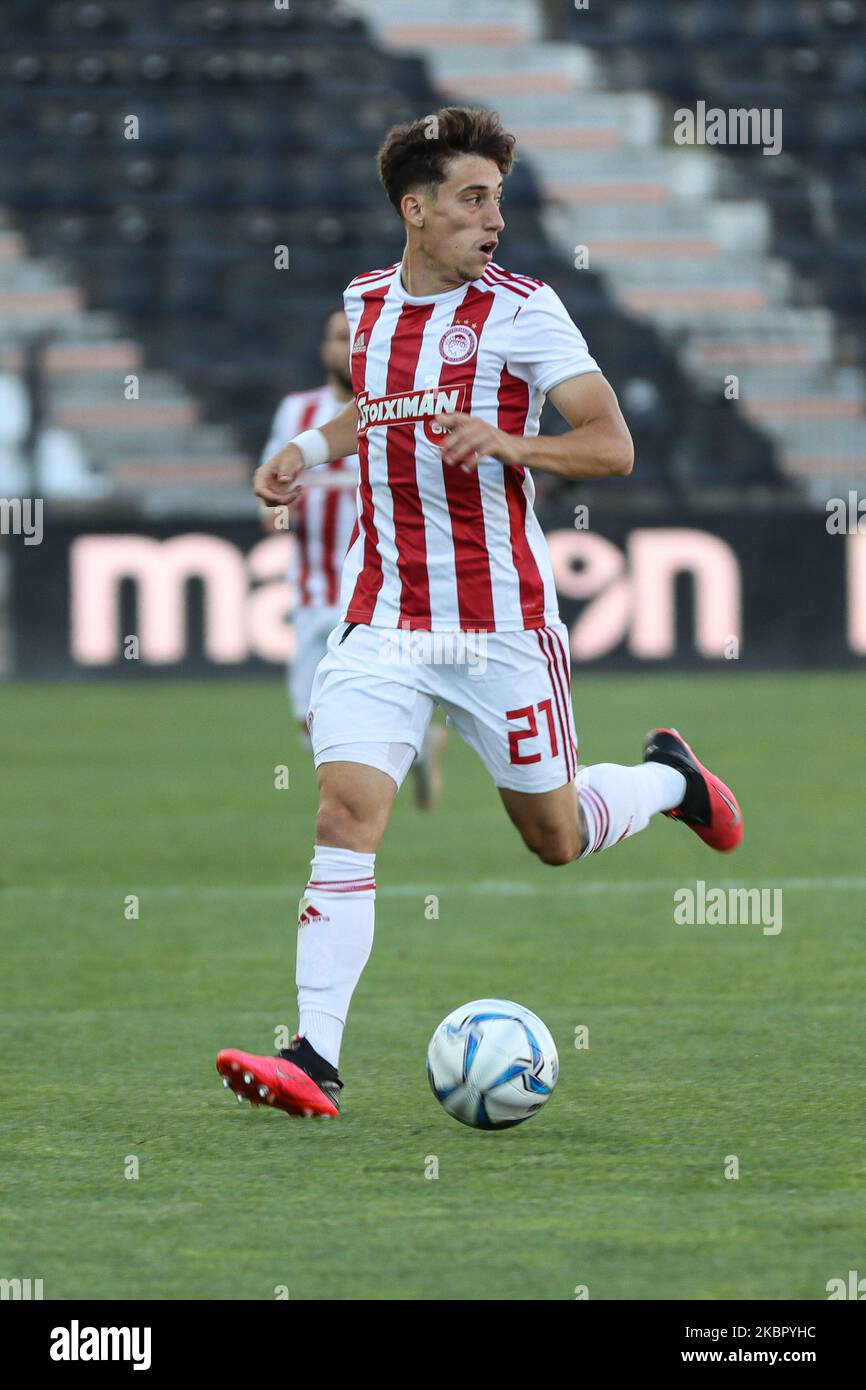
283	427
598	445
276	480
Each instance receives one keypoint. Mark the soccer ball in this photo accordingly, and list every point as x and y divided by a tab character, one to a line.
492	1064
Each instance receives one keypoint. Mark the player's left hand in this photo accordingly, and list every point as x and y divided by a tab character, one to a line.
471	439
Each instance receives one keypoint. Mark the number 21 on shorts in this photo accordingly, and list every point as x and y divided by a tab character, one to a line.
517	736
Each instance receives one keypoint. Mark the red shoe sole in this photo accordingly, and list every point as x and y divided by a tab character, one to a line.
726	827
286	1087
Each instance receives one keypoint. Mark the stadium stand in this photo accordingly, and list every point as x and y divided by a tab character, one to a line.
791	226
81	419
160	154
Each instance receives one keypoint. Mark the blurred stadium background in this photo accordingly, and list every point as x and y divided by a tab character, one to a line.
154	157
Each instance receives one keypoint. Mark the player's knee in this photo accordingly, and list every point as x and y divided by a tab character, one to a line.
553	848
341	823
559	852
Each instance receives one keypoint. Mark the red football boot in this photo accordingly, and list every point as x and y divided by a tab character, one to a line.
709	808
297	1080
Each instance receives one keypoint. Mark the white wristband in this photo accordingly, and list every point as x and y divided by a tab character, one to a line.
314	447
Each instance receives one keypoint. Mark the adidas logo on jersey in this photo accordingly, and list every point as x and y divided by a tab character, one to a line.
360	343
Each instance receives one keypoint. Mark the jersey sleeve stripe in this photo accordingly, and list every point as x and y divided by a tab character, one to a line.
369	275
528	280
490	279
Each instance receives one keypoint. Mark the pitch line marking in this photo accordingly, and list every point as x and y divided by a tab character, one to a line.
500	887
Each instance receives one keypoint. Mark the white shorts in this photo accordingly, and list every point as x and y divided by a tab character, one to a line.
313	627
508	694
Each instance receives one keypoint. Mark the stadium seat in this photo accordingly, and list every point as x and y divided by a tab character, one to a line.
841	128
715	22
777	22
648	26
851	70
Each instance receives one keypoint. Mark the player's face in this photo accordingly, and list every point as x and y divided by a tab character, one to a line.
463	222
335	348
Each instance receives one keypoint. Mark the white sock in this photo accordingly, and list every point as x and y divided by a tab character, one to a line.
335	938
619	801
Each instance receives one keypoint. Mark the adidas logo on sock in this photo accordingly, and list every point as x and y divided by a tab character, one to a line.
309	916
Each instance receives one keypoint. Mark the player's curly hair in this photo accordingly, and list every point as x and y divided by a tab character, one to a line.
417	155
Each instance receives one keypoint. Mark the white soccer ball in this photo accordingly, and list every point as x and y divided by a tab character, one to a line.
492	1064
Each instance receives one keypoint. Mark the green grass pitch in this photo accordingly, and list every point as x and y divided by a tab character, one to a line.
704	1042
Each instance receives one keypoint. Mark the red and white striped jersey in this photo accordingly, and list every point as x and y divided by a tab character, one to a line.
322	519
438	548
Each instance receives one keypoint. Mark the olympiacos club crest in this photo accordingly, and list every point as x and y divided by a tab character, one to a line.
458	343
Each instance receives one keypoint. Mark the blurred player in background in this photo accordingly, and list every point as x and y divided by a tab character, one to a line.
322	521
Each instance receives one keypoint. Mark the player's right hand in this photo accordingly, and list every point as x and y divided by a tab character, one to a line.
275	481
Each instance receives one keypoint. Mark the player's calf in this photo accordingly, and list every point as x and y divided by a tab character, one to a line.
549	822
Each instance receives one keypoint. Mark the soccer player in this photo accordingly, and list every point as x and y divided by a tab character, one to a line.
324	514
452	358
322	522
